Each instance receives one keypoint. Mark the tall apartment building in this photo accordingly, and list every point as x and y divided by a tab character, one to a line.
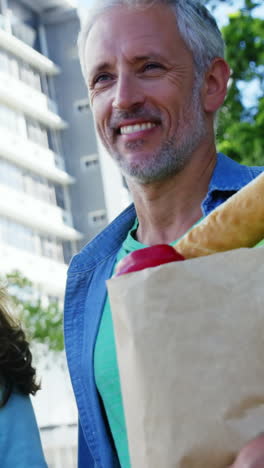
37	235
52	198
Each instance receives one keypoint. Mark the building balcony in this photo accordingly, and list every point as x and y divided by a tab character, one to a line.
18	95
32	156
43	5
22	50
47	274
36	214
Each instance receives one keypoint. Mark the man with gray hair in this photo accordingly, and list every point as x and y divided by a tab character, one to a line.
156	76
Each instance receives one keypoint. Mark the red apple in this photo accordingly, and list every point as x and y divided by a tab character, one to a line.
148	257
251	455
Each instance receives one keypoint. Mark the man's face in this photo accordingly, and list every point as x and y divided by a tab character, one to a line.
145	103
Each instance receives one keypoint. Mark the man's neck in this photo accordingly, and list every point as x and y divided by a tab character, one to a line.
167	209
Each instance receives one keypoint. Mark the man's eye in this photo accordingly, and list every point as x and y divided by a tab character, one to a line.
152	66
101	78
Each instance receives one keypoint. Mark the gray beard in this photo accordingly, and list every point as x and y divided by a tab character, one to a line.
174	154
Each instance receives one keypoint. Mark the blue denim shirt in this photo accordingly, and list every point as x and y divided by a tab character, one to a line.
84	300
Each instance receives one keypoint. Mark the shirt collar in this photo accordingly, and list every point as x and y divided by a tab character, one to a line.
227	178
228	175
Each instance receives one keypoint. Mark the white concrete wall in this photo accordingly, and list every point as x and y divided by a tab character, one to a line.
116	195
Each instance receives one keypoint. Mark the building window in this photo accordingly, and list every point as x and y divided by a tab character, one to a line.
89	161
24	238
16	234
97	218
9	118
20	69
30	76
26	181
60	196
82	106
23	31
37	132
11	175
51	248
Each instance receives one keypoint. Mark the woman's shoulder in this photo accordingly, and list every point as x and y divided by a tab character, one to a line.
20	440
18	402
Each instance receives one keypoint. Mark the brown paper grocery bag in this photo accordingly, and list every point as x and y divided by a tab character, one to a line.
190	346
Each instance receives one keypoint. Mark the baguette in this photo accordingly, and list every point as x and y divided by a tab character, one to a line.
238	222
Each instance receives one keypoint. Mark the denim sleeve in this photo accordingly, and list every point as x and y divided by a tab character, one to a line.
85	459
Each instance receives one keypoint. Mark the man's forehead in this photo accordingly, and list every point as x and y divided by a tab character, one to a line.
132	23
134	33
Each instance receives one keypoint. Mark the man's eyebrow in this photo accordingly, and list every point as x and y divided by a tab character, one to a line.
138	58
99	68
150	56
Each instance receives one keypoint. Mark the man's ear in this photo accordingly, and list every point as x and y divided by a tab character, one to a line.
215	85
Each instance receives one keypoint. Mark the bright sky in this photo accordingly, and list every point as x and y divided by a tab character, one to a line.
221	13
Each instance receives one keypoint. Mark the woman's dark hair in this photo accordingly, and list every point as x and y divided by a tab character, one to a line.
16	371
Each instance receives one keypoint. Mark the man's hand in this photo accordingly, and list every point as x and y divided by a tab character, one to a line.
252	455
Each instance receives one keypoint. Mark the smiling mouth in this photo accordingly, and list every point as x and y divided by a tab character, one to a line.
129	129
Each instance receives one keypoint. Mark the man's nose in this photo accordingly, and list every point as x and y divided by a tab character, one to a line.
128	93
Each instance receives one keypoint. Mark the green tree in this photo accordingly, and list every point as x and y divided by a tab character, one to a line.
240	122
42	322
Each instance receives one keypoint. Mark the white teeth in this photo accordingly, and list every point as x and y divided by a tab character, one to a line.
136	128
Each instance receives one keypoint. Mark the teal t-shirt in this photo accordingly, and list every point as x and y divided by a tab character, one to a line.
261	243
105	364
106	368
